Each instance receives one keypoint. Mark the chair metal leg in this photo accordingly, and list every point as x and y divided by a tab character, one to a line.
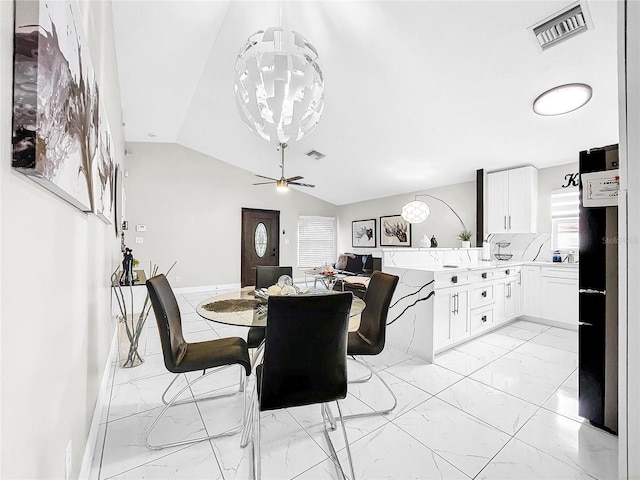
363	379
326	416
248	421
173	402
204	374
393	395
255	441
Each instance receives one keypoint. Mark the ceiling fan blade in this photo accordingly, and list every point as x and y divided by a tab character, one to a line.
293	179
268	178
264	183
302	184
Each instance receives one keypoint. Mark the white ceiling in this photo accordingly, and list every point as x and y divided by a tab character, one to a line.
418	94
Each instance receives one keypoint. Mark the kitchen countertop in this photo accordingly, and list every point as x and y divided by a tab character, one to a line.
484	265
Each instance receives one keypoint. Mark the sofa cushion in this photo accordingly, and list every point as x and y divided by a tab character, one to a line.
354	265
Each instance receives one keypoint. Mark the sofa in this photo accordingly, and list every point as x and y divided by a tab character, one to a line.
358	269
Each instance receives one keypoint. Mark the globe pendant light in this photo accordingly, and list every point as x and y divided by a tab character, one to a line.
279	87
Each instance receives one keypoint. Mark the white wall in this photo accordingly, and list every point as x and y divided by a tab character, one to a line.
629	234
442	222
191	204
55	326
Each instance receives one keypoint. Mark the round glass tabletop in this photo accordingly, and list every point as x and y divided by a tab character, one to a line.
242	308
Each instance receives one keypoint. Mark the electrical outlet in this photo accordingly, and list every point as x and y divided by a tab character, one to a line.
177	279
139	239
68	461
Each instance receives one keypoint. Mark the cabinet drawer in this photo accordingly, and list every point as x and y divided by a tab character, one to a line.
482	295
481	275
451	279
505	271
481	318
560	272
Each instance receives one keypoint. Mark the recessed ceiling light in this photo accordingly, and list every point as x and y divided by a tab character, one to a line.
562	99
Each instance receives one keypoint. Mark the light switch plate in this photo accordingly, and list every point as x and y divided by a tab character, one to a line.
141	228
139	239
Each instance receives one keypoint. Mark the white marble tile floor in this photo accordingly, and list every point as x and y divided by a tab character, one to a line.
503	406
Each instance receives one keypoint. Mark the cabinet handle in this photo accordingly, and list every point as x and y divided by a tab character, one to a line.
505	222
454	279
509	222
484	318
507	271
453	301
484	275
484	293
456	303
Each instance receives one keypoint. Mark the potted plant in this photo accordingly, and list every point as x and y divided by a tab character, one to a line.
465	237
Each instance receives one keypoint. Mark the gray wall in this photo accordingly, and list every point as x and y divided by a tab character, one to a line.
55	325
191	205
441	222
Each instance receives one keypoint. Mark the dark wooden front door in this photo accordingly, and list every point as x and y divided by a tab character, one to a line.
260	244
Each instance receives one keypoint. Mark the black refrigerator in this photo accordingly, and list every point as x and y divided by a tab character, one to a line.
598	288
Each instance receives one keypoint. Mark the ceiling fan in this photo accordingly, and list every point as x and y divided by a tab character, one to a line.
283	183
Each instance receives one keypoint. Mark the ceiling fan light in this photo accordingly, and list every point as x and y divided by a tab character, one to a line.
415	212
282	186
562	99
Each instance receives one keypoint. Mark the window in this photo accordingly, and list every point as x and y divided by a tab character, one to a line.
316	241
565	206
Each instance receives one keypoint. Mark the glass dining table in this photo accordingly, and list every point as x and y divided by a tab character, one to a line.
243	308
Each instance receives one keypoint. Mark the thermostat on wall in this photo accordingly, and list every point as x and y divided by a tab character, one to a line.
141	228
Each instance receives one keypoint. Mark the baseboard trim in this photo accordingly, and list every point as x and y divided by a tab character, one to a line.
551	323
102	400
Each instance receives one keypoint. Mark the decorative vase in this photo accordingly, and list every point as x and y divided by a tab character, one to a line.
425	242
466	243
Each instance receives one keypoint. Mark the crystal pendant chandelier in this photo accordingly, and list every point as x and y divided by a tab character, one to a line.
279	87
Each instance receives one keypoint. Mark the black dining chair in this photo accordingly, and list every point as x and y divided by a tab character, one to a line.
182	357
304	362
265	277
370	337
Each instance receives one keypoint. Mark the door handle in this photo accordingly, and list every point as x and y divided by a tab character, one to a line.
592	291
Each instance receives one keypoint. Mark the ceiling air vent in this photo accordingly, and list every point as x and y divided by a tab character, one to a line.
315	154
560	26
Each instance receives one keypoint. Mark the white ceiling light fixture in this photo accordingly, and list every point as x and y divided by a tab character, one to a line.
279	86
417	211
562	99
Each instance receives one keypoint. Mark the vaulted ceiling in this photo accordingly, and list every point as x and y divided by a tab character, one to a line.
418	94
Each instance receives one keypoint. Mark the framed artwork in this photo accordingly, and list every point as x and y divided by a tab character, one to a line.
363	233
395	231
61	138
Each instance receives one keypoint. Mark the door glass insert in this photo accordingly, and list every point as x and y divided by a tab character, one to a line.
260	239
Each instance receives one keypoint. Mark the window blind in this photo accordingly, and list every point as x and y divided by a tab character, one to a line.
316	241
565	210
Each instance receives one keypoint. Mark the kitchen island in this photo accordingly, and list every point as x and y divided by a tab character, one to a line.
447	296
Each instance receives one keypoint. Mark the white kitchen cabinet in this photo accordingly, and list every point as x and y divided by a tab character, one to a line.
532	290
512	200
451	315
507	294
560	297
